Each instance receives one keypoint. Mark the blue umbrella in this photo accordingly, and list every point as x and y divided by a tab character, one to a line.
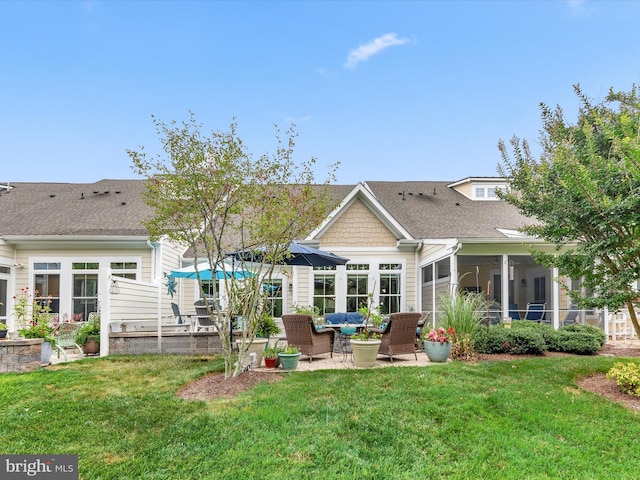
205	272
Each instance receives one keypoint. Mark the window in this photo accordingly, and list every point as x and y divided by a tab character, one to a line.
539	290
85	295
357	291
324	292
47	290
211	289
443	268
274	298
479	192
125	269
358	266
427	273
390	297
491	192
46	266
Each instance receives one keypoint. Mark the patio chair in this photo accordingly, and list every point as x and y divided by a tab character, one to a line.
572	316
179	316
535	312
398	336
65	334
202	320
301	332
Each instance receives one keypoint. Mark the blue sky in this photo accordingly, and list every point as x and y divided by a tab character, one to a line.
391	90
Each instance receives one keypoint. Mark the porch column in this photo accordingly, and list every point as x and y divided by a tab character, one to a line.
555	295
504	287
104	301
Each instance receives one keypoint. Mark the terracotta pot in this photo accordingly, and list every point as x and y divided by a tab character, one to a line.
270	362
92	347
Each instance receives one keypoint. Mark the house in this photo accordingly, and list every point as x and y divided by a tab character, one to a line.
83	248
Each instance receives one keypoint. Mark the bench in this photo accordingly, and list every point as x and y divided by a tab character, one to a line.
340	318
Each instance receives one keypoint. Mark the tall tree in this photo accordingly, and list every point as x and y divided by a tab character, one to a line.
584	193
209	194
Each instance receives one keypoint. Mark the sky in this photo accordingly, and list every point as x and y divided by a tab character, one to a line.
393	91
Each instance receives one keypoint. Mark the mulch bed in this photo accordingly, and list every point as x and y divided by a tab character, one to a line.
216	386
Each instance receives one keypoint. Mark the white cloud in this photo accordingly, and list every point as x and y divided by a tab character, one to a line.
363	52
297	120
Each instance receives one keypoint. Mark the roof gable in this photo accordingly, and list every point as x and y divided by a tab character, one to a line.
361	193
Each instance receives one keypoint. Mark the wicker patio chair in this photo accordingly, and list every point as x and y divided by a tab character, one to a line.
399	335
301	332
65	334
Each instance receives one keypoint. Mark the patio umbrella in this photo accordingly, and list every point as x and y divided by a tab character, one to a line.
204	269
300	255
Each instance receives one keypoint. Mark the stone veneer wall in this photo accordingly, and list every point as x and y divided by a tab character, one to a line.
183	343
20	355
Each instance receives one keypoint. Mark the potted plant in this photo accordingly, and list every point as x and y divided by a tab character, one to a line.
290	357
34	318
270	355
312	310
366	343
437	344
88	336
265	327
3	330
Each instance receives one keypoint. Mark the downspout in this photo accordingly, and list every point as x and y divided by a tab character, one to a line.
154	258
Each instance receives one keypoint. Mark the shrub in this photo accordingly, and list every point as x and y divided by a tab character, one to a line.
627	377
527	341
492	340
580	343
517	341
597	333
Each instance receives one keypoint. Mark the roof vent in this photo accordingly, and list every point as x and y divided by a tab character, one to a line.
434	190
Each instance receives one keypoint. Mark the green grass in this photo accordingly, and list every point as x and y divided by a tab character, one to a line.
508	420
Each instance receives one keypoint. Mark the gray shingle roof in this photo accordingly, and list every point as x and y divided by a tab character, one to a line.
116	208
103	208
445	214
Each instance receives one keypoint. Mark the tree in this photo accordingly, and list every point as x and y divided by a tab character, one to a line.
209	194
584	193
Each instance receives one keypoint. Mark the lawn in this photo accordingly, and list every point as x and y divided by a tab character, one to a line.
522	419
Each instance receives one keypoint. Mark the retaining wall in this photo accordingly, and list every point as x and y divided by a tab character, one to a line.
20	355
185	343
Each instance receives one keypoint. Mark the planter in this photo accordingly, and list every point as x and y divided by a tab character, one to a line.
3	333
436	351
289	360
270	362
45	353
256	346
92	347
365	352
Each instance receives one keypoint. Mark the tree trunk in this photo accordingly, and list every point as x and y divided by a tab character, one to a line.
634	318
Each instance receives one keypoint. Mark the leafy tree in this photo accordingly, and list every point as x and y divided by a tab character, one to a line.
584	193
209	194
